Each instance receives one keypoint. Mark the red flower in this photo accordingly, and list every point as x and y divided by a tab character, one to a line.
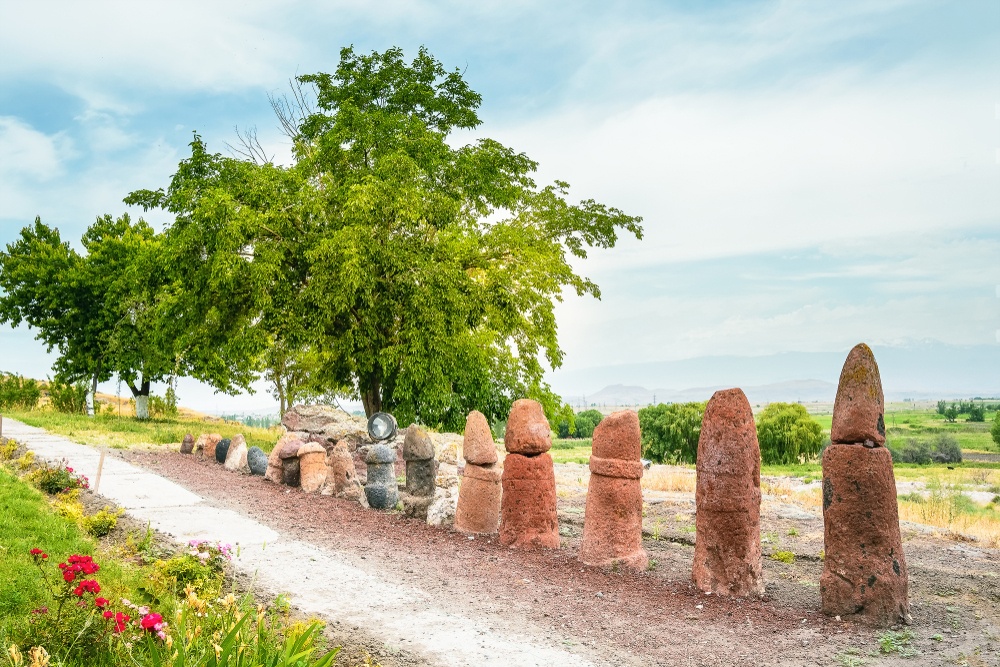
150	621
108	614
101	603
36	552
69	575
120	621
68	469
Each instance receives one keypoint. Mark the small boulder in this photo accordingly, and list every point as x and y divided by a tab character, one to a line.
859	409
290	471
257	461
212	441
236	455
222	450
199	444
274	460
187	446
441	512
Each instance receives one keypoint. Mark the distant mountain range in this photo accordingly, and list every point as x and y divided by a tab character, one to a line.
924	371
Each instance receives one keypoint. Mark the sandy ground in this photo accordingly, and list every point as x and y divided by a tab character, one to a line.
415	595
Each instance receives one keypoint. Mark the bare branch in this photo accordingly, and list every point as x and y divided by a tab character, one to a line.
249	147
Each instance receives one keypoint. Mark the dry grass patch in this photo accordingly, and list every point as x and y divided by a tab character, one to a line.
669	478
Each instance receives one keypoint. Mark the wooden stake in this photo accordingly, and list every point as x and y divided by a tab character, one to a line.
100	469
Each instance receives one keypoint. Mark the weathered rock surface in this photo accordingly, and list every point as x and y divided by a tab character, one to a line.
612	529
290	471
212	441
478	446
864	571
274	459
257	461
527	429
417	445
727	553
447	476
331	421
312	467
441	512
478	509
222	450
381	489
341	479
187	445
199	444
236	456
859	409
528	506
447	447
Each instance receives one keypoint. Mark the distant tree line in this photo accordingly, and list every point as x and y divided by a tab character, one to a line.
976	411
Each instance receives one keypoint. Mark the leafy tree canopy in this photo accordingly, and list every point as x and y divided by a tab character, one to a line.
788	434
418	274
586	422
670	432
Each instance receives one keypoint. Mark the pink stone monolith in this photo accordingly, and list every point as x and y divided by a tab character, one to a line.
612	528
727	553
478	447
859	409
528	430
864	569
312	466
236	457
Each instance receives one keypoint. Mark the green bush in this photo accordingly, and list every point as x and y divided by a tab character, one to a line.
56	479
18	392
586	422
788	434
943	449
163	407
995	429
68	398
670	432
102	523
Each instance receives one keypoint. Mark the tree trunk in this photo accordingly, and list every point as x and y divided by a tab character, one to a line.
91	398
141	397
372	399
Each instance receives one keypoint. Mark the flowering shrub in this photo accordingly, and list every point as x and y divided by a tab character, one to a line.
53	480
202	567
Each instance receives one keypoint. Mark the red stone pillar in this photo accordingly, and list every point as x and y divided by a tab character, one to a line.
528	506
864	571
612	527
727	555
478	508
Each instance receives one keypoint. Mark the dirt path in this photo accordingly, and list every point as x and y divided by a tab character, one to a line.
424	596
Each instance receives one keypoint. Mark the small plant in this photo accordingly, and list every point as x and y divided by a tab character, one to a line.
103	522
59	478
201	567
898	642
26	461
851	657
938	637
7	449
792	532
783	556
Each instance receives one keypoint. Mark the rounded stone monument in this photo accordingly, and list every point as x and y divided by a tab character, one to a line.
381	489
727	553
187	446
612	527
528	506
312	466
478	510
257	461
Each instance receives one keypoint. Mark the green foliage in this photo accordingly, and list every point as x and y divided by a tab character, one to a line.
783	556
69	398
58	478
670	432
419	275
897	641
951	413
18	393
103	522
977	413
942	449
995	429
586	422
163	407
788	434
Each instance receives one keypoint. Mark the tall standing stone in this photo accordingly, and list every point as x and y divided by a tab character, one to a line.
727	554
341	478
381	489
864	570
274	459
612	528
236	457
418	452
479	495
528	507
187	446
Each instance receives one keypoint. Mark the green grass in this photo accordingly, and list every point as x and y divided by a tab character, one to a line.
571	450
29	523
124	432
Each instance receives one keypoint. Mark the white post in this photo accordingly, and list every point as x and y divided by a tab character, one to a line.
100	469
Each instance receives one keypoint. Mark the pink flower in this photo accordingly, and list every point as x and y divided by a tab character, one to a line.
150	621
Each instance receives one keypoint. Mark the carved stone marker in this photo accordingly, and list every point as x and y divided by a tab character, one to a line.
528	506
381	489
612	528
187	446
312	466
864	571
478	508
727	554
421	468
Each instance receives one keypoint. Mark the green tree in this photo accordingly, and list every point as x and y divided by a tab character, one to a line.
670	432
788	434
421	273
977	413
995	429
586	422
951	413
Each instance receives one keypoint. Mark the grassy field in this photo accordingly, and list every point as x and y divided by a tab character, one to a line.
124	432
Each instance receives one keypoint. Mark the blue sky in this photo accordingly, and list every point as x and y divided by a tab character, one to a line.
810	174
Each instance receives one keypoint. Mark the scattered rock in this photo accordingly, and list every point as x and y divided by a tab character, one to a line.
447	476
859	409
222	450
727	553
447	447
331	421
341	479
187	446
612	529
441	512
257	461
274	460
199	444
290	471
381	489
236	455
